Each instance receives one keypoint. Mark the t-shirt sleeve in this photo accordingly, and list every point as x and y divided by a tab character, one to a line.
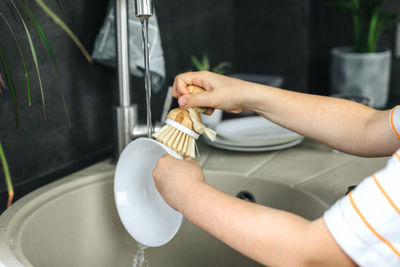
366	222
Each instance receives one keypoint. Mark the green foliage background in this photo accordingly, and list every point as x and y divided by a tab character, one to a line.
369	21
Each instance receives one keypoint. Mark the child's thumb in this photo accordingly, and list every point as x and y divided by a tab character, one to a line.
194	100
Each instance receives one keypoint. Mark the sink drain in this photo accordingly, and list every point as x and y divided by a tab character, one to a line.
245	195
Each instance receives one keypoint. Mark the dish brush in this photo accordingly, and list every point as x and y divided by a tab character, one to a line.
183	127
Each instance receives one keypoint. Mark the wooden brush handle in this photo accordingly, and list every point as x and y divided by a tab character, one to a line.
193	89
181	115
190	117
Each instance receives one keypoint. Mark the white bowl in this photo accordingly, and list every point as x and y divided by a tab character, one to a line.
212	120
143	212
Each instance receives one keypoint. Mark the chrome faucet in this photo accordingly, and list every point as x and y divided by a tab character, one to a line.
127	126
144	8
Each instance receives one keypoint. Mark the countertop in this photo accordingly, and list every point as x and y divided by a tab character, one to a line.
309	166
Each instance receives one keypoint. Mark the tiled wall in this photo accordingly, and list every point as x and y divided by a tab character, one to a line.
271	37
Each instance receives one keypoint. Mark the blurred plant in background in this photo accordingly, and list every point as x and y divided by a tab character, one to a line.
369	21
204	64
7	175
17	14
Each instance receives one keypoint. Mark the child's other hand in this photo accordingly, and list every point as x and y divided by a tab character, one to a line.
175	179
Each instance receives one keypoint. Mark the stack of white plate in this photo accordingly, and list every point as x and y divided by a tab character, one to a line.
252	134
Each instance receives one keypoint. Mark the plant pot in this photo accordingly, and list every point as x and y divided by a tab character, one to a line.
363	74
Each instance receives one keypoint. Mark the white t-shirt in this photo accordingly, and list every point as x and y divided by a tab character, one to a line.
366	222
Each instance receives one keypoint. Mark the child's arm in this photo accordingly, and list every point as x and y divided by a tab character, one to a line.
269	236
341	124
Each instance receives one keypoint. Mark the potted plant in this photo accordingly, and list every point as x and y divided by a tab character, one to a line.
204	64
364	68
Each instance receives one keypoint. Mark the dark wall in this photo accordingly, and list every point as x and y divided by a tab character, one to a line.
271	37
41	152
39	149
190	28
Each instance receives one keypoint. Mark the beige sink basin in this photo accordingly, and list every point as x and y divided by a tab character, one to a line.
74	222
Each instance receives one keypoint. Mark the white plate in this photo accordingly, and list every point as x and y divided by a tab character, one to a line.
253	132
253	149
143	212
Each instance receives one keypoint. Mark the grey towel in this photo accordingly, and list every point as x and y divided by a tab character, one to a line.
104	47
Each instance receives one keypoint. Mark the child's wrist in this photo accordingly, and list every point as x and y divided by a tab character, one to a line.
254	99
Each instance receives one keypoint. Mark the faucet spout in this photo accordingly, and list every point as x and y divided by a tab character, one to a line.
126	114
144	8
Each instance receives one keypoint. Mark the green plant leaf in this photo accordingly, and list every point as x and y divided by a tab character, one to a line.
41	33
27	78
34	57
221	67
58	21
7	175
10	84
199	66
373	31
47	44
206	62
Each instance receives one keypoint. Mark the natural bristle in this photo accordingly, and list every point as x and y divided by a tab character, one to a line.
183	127
179	141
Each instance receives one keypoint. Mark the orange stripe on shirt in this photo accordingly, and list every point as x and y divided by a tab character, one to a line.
392	123
397	155
371	228
385	194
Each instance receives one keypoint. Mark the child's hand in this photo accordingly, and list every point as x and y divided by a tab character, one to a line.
175	179
222	92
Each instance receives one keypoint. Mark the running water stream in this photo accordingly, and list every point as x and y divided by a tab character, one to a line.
147	75
139	259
